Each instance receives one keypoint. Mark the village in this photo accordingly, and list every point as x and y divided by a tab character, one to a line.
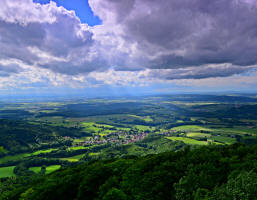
119	137
132	136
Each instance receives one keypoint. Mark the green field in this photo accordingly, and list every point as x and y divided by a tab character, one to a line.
148	119
42	151
13	157
188	140
49	169
91	127
102	129
94	154
145	118
1	149
76	148
82	139
73	158
198	135
35	169
105	125
24	155
226	140
52	168
236	130
7	171
190	128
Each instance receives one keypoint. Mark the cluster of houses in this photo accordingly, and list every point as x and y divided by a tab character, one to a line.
126	137
120	137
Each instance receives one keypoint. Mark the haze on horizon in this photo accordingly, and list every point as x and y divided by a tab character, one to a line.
127	46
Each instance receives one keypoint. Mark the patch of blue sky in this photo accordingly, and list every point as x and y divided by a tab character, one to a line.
81	8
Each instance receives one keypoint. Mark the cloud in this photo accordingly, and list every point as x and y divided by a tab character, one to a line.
178	34
47	36
7	70
208	71
25	12
243	82
139	42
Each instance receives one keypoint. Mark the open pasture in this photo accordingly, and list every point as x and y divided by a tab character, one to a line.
188	140
49	169
223	139
24	155
190	128
73	158
198	135
7	171
42	152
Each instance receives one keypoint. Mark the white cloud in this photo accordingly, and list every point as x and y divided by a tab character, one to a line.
47	36
25	11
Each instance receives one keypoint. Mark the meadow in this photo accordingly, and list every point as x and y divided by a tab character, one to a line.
7	171
73	158
48	169
188	140
198	135
190	128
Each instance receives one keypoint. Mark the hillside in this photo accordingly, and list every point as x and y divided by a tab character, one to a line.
207	172
21	136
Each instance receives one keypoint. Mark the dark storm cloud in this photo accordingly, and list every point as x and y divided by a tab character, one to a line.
7	70
202	72
182	33
70	68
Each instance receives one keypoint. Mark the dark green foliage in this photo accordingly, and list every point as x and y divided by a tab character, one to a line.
19	136
115	194
243	186
94	109
210	172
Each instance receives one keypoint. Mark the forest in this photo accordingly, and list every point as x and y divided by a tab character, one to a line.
207	172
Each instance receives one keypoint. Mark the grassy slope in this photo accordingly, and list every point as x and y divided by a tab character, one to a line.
49	169
188	140
73	158
6	171
198	135
24	155
190	128
225	140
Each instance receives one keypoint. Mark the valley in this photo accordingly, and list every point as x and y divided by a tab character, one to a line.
38	135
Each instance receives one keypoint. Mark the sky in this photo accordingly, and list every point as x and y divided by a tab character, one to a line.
81	8
127	46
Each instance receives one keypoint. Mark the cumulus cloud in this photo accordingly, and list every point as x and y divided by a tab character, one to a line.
175	34
139	41
24	12
47	36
